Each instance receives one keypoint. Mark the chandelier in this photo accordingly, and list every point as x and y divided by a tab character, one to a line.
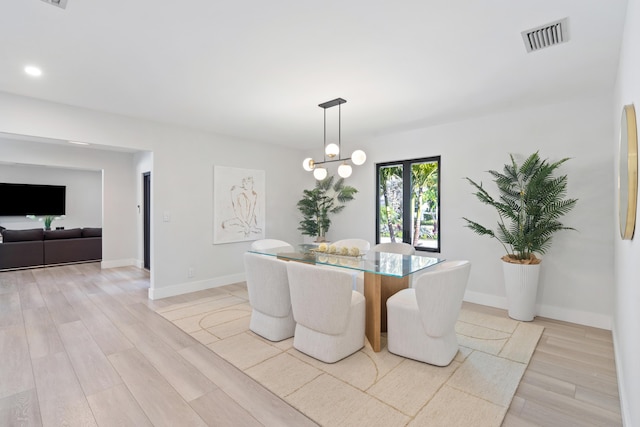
333	150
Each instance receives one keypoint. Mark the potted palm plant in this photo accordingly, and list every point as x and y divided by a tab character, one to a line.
317	204
531	201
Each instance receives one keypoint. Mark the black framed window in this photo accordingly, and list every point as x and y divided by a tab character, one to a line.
408	203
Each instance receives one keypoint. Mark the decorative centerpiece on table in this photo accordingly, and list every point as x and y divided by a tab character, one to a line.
338	250
342	255
47	220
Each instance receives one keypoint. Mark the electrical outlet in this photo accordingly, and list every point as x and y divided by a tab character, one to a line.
190	272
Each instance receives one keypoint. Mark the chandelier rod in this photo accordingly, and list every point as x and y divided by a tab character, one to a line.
339	130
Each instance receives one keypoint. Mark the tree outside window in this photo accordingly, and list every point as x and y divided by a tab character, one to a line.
408	203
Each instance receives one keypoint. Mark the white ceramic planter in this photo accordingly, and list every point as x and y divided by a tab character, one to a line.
521	284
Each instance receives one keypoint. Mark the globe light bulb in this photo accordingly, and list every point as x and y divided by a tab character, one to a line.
307	164
332	150
319	173
344	170
358	157
33	71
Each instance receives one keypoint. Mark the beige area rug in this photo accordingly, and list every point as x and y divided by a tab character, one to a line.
368	388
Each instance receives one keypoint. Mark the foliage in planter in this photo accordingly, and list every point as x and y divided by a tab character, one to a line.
48	219
531	202
316	205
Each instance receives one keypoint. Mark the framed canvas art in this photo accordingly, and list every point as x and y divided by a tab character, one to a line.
238	204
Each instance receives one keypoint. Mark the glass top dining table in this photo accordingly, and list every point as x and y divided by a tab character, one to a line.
383	263
385	273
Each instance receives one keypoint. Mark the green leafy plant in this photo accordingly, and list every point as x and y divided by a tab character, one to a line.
47	220
531	202
317	204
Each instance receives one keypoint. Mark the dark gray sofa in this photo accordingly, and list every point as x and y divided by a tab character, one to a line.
22	248
36	247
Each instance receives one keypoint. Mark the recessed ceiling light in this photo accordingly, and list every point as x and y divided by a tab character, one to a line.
78	143
33	71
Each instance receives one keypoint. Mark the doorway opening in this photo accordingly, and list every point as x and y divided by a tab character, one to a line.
146	218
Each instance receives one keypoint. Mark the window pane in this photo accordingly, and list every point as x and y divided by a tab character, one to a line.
408	203
390	223
424	204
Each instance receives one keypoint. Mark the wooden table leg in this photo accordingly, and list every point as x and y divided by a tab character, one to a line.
377	289
372	286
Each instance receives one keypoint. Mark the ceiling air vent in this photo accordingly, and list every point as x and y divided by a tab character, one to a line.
60	3
545	36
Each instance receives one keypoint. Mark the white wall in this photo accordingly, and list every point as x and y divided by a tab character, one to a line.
577	271
627	252
118	220
83	194
182	187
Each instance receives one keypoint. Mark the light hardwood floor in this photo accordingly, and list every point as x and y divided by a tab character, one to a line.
83	346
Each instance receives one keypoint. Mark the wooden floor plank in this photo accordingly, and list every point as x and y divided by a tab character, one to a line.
10	309
62	401
117	407
104	332
15	370
21	409
41	333
184	377
91	366
30	296
59	308
160	402
162	327
579	411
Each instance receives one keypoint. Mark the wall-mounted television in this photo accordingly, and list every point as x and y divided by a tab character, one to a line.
30	199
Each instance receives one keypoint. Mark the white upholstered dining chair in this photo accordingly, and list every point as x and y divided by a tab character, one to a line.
329	315
268	287
363	246
394	247
264	244
421	320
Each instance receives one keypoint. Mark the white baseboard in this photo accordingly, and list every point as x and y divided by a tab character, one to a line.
595	320
185	288
485	299
624	411
114	263
586	318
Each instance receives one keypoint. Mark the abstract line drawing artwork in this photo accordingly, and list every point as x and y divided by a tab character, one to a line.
238	204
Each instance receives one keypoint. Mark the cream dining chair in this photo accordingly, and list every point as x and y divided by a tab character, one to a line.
329	315
394	247
268	287
363	246
264	244
421	320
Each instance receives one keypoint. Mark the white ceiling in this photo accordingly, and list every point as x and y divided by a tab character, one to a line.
257	70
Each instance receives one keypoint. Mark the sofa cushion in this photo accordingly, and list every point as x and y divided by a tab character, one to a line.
22	235
1	229
72	233
92	232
